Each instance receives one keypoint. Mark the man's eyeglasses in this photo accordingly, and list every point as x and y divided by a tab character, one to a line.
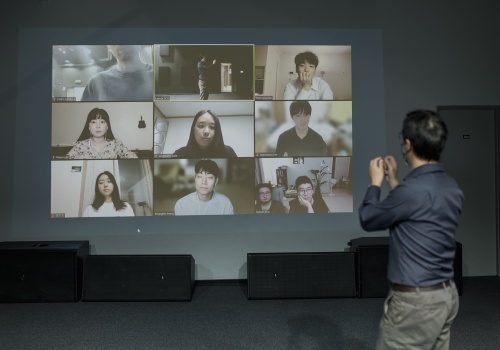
264	193
305	190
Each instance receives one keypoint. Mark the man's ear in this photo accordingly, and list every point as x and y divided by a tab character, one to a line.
408	145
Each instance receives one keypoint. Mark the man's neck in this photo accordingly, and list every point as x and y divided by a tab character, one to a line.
301	133
415	162
265	206
205	197
130	65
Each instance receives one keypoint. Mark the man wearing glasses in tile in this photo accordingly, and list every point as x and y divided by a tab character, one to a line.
307	201
264	204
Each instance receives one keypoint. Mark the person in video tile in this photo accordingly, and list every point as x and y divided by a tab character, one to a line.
307	86
97	140
264	204
300	140
203	76
107	202
205	139
307	201
129	80
204	201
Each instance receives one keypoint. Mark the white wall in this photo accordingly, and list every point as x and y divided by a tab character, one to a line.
341	168
271	78
66	182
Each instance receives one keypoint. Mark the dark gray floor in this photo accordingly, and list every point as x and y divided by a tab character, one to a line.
221	317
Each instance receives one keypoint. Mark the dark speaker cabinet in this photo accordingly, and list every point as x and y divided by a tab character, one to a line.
371	271
47	271
300	275
138	278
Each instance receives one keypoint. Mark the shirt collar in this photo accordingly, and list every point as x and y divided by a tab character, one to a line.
315	84
425	169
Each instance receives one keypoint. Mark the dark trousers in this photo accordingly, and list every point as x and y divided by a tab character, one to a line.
202	84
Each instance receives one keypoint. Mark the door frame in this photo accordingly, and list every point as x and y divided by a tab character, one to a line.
496	110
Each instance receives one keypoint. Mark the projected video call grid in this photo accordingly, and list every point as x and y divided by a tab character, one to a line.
164	130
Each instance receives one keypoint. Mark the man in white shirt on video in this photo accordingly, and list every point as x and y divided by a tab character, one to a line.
130	79
307	86
204	201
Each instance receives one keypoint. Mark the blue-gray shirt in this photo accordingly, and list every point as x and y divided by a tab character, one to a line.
422	216
113	85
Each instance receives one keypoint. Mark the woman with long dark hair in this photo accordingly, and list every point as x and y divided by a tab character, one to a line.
205	139
107	200
97	140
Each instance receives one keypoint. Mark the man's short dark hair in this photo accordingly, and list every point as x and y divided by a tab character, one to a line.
208	166
301	180
262	185
297	107
306	56
427	133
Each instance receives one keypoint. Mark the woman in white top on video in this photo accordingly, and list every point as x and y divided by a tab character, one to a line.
107	202
97	140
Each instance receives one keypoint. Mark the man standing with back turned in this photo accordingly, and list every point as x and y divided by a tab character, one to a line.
203	73
421	214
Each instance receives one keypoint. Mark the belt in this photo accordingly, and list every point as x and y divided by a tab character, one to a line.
403	288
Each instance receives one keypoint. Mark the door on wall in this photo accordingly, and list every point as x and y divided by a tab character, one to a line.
226	77
470	157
